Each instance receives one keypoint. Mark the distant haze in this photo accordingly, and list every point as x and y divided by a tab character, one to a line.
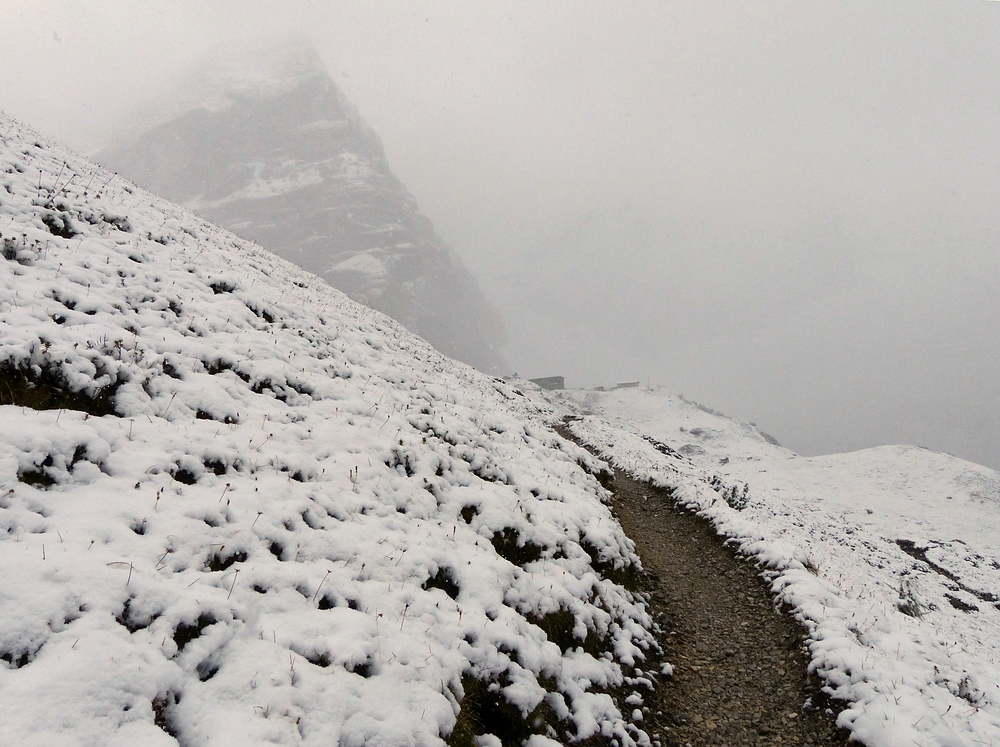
786	211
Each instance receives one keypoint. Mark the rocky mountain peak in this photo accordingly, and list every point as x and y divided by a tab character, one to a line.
271	149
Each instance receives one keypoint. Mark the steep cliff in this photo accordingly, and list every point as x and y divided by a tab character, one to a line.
277	154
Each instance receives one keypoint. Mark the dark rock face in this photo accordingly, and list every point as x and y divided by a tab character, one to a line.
288	162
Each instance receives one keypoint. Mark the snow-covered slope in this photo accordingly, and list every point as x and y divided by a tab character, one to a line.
274	151
890	556
238	508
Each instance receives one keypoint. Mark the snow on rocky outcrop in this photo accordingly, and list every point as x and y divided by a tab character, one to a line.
237	507
270	148
889	556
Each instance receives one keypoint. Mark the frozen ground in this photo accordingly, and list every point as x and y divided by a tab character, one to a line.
889	556
238	508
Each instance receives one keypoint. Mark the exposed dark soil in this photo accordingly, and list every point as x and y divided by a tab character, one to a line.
740	666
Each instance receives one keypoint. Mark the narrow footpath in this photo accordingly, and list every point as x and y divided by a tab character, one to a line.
739	666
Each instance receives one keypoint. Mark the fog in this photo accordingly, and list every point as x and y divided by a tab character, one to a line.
786	211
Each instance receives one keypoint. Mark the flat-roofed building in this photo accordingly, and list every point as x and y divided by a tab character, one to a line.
550	382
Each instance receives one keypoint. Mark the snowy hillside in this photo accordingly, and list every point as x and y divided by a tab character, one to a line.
270	148
889	556
238	508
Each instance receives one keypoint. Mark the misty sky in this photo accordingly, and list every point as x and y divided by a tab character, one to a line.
785	210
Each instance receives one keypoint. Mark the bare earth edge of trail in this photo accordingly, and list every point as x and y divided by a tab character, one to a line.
739	666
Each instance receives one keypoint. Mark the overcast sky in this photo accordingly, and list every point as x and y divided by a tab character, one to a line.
785	210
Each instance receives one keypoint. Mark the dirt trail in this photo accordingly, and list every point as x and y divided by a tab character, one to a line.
740	667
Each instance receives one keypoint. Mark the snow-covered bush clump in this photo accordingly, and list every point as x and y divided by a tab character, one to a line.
238	508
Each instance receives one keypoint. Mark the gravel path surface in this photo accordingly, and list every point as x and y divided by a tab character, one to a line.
740	667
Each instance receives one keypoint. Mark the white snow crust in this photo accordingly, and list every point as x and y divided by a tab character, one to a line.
889	556
363	263
260	513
